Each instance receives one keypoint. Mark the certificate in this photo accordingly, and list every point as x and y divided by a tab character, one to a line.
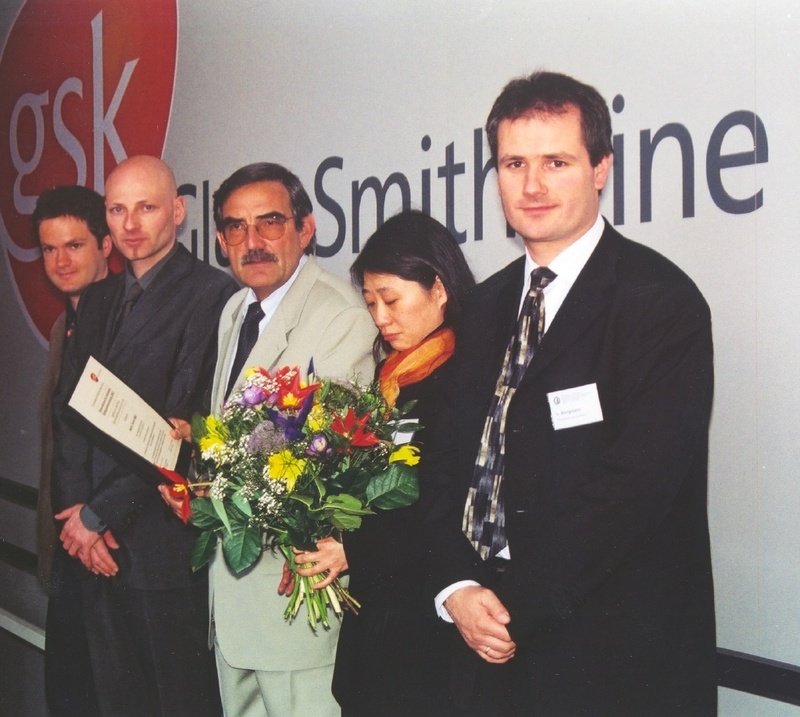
115	409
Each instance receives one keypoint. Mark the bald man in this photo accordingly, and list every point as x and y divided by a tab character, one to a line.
154	327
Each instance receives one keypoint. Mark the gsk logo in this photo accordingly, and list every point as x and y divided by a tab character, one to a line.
83	85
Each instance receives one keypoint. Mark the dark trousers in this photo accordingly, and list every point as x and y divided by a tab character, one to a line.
69	687
481	689
149	650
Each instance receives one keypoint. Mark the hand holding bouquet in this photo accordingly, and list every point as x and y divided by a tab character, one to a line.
290	462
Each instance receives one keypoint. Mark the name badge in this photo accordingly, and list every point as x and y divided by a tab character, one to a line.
575	406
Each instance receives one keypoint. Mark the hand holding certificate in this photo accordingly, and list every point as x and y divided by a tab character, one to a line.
115	409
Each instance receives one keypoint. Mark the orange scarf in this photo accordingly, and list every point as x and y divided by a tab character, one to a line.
402	368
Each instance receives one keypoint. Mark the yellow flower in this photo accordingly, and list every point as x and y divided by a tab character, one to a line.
316	418
290	400
284	466
215	438
407	454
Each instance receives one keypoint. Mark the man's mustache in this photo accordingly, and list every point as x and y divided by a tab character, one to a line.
257	255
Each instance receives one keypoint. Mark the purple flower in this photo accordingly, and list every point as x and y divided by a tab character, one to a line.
318	447
266	438
292	425
253	396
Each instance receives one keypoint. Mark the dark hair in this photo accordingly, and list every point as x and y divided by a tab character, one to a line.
554	93
416	247
266	172
72	201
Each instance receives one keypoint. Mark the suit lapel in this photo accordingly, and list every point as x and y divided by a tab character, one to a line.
271	344
586	300
111	304
229	323
273	340
154	300
490	319
504	314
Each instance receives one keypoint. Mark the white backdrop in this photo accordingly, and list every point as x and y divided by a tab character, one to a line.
367	82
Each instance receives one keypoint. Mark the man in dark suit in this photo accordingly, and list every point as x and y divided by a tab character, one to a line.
568	519
154	327
69	224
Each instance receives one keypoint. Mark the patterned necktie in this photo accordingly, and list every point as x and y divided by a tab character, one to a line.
248	335
484	513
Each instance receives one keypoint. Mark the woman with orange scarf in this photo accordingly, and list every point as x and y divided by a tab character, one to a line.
391	658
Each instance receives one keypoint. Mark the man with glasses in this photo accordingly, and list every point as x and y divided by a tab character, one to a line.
289	313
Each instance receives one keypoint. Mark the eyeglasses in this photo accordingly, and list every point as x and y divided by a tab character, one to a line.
270	227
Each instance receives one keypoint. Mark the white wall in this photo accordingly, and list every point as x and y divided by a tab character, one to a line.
365	81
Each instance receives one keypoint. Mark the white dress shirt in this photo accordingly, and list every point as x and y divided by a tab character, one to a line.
269	306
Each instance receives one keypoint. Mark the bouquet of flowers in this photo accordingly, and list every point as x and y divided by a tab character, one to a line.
290	462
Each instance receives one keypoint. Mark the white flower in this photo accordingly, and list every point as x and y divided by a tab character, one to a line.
217	489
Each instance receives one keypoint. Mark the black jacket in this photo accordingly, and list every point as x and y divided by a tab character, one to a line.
609	586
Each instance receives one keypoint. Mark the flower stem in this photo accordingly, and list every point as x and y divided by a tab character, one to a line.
317	601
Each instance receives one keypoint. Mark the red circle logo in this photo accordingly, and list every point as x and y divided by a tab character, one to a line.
85	84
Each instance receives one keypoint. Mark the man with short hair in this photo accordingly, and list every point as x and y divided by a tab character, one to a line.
69	224
153	327
266	228
571	548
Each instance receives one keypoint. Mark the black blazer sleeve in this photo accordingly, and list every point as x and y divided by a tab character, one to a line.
72	481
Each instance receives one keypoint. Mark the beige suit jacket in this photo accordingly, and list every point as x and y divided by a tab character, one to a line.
320	318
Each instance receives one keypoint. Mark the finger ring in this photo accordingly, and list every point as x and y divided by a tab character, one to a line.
486	651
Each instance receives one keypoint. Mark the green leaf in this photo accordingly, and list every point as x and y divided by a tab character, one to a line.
304	499
346	521
396	487
346	503
294	521
219	509
300	539
242	547
344	511
203	549
203	514
351	480
199	429
405	409
242	503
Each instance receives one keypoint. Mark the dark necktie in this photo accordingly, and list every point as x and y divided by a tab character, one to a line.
69	320
248	335
484	512
133	295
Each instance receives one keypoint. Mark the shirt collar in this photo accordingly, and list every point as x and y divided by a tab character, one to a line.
569	263
149	276
270	304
